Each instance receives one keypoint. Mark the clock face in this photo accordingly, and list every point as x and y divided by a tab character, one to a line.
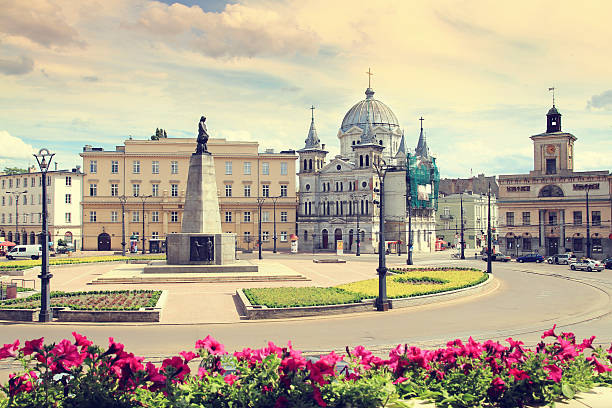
550	149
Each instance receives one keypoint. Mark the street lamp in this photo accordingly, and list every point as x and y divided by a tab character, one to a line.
355	198
588	227
17	194
44	160
123	200
143	199
489	251
260	201
382	304
409	204
274	200
462	235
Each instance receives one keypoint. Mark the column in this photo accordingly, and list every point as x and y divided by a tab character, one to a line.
562	231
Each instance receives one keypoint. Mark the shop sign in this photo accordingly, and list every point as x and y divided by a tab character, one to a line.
518	188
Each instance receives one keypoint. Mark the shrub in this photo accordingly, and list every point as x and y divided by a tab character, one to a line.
90	300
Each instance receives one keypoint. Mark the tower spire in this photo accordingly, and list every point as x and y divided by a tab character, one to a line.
312	140
553	94
422	149
369	77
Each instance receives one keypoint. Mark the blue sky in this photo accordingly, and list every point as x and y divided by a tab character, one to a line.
76	73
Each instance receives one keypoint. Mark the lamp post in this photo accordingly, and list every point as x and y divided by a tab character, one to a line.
314	242
143	199
274	200
44	160
462	236
588	227
17	194
382	304
260	201
123	200
409	205
355	200
489	251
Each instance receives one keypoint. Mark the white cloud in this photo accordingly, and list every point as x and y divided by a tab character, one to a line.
20	66
13	147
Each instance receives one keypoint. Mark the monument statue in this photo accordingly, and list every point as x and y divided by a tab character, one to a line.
202	137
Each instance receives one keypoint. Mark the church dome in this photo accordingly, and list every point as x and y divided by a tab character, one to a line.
380	114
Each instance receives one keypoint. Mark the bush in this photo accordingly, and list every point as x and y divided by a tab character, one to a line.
297	297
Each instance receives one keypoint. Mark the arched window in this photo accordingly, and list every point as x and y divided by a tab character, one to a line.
337	186
551	191
337	209
305	208
367	160
367	205
305	165
362	207
360	161
310	164
309	208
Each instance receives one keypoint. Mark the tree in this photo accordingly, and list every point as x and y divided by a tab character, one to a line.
14	170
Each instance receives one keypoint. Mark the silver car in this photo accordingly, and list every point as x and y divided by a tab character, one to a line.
587	265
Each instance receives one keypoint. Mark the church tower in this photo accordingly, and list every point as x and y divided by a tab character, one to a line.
312	156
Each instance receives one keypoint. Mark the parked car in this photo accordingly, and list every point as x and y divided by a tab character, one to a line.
607	263
561	259
530	258
587	265
497	257
25	251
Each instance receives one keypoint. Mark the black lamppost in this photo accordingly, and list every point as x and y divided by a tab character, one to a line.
489	251
44	160
274	200
462	241
382	303
143	198
355	200
588	227
409	205
260	201
17	194
123	200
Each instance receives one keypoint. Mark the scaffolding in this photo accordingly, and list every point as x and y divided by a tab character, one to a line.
422	182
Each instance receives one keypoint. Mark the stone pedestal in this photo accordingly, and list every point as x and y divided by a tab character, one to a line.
191	249
201	213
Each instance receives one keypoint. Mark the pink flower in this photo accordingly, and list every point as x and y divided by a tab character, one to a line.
153	375
113	347
67	354
497	388
180	369
599	367
518	374
212	345
202	372
188	355
554	373
230	379
32	346
587	343
400	380
549	333
9	350
81	341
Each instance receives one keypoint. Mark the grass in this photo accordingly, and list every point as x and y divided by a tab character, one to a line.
406	283
30	263
90	300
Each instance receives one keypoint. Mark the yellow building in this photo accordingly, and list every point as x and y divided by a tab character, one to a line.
151	177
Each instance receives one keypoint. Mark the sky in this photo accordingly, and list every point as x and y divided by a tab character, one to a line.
98	72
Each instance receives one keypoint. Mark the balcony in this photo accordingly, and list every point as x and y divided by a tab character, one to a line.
447	217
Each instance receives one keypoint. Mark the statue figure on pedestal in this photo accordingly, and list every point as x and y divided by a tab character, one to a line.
202	137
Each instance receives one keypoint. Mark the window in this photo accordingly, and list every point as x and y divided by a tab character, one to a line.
154	235
25	182
17	182
577	217
526	244
174	167
33	182
135	216
265	236
25	218
578	245
114	166
114	190
228	190
283	216
283	236
136	166
68	198
526	218
228	167
510	219
174	216
155	190
265	190
3	184
93	190
113	216
283	168
247	190
174	190
10	201
155	167
10	218
551	166
247	236
265	168
246	168
246	216
597	245
305	235
135	190
25	200
93	216
68	181
228	216
596	218
552	218
265	216
67	217
509	243
3	218
93	166
154	216
283	190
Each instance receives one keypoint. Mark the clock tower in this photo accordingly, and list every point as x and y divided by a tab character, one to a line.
553	151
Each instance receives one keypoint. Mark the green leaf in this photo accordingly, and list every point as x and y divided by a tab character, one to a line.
567	391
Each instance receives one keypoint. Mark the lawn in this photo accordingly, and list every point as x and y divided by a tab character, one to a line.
92	300
405	283
30	263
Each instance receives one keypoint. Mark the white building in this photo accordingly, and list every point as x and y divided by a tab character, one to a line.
21	201
337	195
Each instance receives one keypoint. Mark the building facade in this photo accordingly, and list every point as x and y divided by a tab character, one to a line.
150	176
475	219
337	197
477	185
21	198
551	209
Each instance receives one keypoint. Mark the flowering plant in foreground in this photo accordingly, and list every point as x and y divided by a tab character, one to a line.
77	373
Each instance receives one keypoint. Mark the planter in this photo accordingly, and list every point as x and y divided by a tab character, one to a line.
19	315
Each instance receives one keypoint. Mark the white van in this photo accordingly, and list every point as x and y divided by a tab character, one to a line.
25	251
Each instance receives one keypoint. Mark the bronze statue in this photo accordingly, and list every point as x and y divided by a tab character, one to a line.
202	137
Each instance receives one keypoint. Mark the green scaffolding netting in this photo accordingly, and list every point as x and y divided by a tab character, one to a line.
422	173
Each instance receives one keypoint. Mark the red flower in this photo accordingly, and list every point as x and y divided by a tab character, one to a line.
518	374
23	383
9	350
67	354
554	373
153	375
230	379
113	347
212	345
599	367
81	341
316	394
188	355
549	333
587	343
180	369
497	388
400	380
32	346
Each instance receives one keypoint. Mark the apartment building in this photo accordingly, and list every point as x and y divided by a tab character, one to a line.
21	206
149	177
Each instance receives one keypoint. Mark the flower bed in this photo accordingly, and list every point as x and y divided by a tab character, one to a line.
91	300
75	373
297	297
30	263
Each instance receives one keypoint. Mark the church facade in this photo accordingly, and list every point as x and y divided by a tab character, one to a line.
338	196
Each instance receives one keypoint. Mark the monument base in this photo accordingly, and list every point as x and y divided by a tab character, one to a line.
162	267
189	248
